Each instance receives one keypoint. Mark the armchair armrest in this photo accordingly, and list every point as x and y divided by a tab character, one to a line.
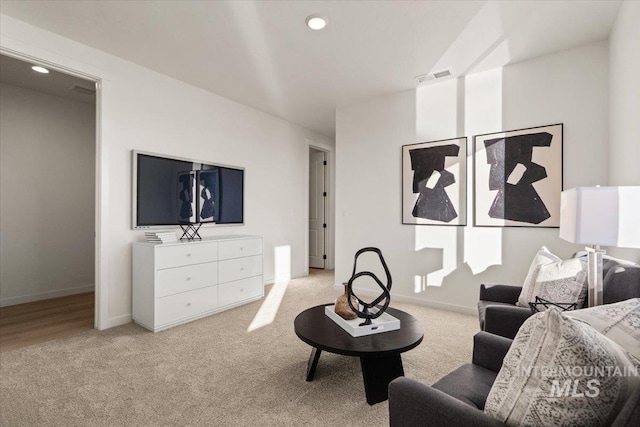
413	404
500	293
621	283
504	320
489	350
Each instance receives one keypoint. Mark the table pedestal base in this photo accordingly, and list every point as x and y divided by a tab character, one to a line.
377	373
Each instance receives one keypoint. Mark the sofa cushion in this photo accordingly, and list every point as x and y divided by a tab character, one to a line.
559	371
469	384
557	281
620	322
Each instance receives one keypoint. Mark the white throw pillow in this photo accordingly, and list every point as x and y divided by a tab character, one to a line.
561	281
620	322
555	280
563	372
543	257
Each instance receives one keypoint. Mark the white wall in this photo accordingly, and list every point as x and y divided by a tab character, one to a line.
368	139
443	265
624	97
624	105
144	110
47	198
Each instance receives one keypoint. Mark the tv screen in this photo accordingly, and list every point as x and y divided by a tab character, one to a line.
173	191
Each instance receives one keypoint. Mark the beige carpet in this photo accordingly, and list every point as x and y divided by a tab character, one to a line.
213	372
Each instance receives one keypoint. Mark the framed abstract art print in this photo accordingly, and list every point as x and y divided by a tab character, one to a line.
434	182
518	177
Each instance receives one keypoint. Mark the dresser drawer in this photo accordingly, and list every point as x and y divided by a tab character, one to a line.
180	279
179	255
229	249
232	292
239	268
177	307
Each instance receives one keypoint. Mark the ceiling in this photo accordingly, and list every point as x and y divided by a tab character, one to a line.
261	54
19	73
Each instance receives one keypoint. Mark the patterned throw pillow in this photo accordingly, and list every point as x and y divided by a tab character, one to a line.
563	372
543	256
620	322
557	281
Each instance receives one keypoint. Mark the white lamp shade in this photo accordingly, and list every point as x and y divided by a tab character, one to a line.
606	216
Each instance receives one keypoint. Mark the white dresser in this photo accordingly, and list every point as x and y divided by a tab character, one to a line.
176	283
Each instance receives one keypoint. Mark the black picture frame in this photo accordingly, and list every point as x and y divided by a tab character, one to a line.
518	177
434	182
186	201
208	195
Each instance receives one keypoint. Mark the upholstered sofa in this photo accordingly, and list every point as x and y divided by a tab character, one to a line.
459	398
499	314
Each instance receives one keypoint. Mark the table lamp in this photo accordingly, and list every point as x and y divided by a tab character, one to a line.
600	216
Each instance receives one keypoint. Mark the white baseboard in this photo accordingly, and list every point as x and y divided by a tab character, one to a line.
119	321
5	302
426	303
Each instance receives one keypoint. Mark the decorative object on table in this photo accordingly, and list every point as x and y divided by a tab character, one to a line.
384	323
162	236
596	216
542	304
507	165
384	298
342	307
434	182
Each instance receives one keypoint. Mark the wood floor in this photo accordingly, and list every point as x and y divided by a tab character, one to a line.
35	322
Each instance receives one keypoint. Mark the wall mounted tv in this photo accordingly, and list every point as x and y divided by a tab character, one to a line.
174	191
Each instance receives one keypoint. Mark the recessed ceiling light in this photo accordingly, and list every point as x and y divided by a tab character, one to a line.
316	22
40	69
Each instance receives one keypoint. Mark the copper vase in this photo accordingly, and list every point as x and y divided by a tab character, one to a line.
342	306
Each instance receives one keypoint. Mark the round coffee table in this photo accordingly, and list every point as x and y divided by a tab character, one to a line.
379	353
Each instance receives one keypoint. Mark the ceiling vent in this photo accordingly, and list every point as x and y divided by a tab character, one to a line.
427	78
83	90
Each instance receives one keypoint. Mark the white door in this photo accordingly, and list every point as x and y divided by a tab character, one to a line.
317	197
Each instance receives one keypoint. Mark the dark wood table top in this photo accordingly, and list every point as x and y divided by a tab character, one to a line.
315	328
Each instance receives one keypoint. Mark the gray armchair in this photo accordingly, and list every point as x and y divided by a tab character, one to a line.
458	398
499	314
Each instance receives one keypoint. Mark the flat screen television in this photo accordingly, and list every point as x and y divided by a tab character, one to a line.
175	191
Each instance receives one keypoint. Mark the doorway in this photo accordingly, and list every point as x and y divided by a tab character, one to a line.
48	202
317	208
